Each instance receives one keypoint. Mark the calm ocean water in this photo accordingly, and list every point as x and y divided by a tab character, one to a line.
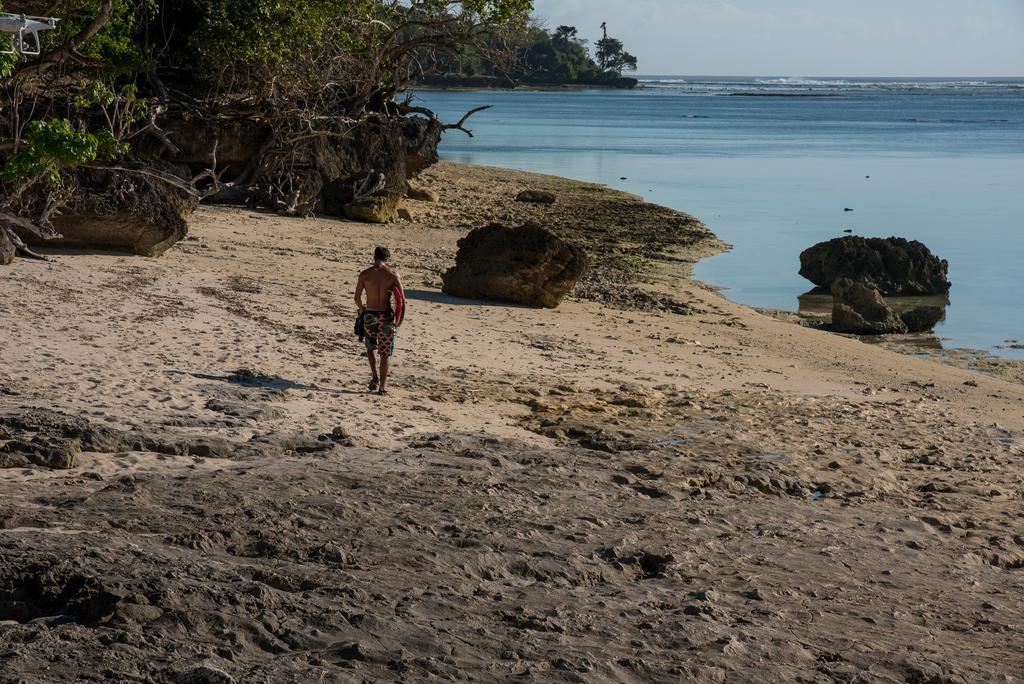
937	160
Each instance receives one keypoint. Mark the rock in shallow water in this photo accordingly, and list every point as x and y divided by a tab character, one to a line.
860	310
923	318
527	265
894	266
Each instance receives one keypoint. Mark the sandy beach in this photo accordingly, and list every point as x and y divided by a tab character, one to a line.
648	483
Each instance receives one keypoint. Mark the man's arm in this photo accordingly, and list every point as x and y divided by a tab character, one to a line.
360	287
398	285
398	293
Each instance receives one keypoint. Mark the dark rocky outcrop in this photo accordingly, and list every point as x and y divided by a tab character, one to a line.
527	265
53	439
340	192
923	318
894	266
46	438
536	197
237	140
6	249
124	211
121	211
46	451
324	170
398	149
861	310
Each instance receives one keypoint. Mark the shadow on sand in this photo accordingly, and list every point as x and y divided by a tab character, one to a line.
71	251
442	298
262	381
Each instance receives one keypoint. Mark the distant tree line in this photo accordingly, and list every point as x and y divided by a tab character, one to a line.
538	55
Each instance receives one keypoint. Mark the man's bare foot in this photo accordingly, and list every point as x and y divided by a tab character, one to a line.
382	392
373	384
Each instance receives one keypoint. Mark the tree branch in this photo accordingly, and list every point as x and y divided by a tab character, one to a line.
19	246
68	50
368	186
188	186
21	222
153	129
406	108
460	126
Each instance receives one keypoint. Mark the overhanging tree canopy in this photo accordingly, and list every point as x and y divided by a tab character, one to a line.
113	68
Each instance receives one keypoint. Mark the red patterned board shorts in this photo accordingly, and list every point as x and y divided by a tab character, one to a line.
381	331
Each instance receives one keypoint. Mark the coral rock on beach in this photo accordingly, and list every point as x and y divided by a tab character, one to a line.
527	265
894	266
339	198
418	192
376	209
121	211
536	197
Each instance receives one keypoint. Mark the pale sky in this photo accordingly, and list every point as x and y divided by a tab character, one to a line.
807	37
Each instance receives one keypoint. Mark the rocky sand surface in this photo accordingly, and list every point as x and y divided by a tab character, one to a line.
649	483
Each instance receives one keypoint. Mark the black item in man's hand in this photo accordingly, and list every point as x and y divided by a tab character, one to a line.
360	330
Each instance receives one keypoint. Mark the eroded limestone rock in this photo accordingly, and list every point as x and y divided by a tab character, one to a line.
536	197
418	192
377	209
527	265
121	211
893	266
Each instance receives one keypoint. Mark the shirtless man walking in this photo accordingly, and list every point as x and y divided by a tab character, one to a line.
379	283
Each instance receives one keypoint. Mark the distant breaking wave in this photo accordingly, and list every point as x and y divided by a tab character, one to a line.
955	121
698	84
799	82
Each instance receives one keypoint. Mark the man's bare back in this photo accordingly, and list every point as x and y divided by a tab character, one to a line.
376	283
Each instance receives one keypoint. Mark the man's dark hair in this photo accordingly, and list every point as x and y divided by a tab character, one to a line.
381	254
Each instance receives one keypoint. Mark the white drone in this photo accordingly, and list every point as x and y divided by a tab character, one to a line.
24	33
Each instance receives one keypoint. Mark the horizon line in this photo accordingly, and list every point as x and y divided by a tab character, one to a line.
697	75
